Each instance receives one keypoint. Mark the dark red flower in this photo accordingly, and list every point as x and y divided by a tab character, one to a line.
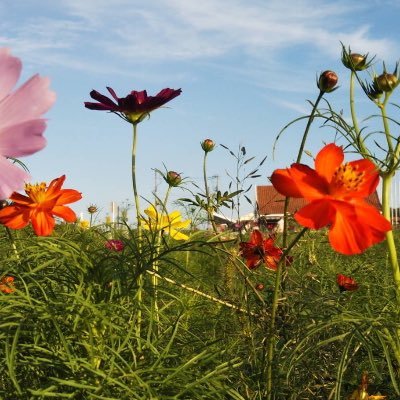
346	283
115	245
134	107
259	250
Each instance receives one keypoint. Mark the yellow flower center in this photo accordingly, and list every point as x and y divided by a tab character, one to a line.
348	178
37	191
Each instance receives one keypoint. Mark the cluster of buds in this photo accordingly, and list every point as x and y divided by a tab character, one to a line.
207	145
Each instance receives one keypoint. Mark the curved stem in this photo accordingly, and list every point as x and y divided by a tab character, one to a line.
309	122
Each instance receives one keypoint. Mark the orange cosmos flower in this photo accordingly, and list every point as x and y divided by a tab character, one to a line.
259	250
336	194
7	284
40	206
346	283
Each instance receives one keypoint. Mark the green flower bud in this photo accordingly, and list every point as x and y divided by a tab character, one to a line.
386	82
208	145
327	81
173	178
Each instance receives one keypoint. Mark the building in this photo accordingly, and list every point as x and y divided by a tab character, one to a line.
270	205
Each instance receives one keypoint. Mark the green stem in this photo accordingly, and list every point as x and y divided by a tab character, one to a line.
275	302
210	214
13	245
352	106
386	123
140	283
309	122
393	259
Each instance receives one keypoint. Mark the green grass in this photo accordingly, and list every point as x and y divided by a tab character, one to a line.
69	330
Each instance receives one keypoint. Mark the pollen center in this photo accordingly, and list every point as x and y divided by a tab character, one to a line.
348	178
36	191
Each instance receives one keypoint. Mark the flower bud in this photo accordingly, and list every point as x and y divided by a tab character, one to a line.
173	178
92	209
355	61
260	286
208	145
386	82
327	81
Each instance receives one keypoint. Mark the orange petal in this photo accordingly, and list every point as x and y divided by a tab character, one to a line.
371	177
328	160
65	213
42	223
316	215
14	217
357	227
21	199
68	196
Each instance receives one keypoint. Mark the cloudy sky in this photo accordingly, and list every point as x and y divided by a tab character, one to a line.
246	68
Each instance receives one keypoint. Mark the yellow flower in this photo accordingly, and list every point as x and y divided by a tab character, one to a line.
84	224
167	223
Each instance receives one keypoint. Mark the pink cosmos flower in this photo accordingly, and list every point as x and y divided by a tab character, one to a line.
21	122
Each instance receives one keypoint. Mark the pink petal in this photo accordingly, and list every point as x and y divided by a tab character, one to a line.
12	178
22	139
29	102
10	70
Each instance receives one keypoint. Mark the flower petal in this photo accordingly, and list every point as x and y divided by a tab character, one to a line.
328	160
65	213
13	217
12	178
316	215
68	196
42	223
10	70
299	181
357	227
29	102
177	235
22	139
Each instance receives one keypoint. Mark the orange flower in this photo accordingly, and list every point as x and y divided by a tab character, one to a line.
346	283
259	250
6	284
336	194
40	207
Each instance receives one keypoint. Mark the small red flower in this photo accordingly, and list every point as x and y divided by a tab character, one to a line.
259	250
115	245
260	286
7	284
134	107
346	283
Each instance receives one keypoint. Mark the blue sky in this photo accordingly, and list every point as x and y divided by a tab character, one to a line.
246	68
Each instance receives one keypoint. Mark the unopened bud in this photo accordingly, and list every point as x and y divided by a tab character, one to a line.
173	178
386	82
92	209
355	61
208	145
327	81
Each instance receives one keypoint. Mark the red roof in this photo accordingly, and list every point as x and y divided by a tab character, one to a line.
269	201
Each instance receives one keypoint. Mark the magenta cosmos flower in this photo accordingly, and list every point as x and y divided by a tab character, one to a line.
21	122
134	107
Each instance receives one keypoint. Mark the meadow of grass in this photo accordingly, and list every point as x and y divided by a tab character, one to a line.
70	328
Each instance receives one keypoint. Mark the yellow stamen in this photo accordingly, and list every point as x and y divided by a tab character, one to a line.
36	191
348	177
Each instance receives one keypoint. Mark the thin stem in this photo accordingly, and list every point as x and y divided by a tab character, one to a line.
139	294
209	208
309	122
352	106
393	259
386	123
274	310
13	245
